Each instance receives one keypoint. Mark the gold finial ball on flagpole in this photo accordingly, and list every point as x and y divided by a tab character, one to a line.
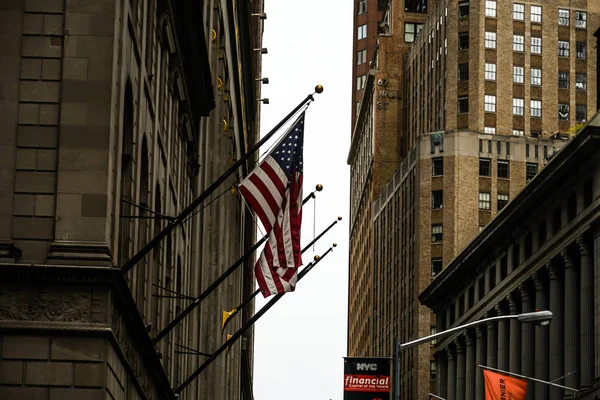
319	89
340	218
319	187
317	257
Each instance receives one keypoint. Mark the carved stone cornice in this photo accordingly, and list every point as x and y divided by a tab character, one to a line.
566	259
583	247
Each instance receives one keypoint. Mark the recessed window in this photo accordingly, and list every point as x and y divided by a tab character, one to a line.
518	74
485	167
563	17
489	130
536	76
484	201
536	14
563	79
581	81
490	72
536	108
519	11
437	166
580	19
463	72
563	112
580	50
463	104
419	6
361	57
502	201
432	371
503	169
490	103
436	266
490	40
362	7
517	132
437	199
463	40
360	82
581	112
531	170
536	45
490	8
518	43
463	9
362	31
518	106
411	31
563	48
436	233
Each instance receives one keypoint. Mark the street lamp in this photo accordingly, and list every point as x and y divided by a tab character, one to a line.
539	317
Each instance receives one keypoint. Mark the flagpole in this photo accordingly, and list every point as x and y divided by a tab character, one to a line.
219	280
188	210
528	377
247	325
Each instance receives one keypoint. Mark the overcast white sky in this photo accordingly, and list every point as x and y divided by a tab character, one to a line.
300	342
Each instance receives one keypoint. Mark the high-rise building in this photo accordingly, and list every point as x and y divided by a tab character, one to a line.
114	116
488	92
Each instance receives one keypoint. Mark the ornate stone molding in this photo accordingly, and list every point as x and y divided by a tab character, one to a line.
583	247
479	331
468	339
449	354
459	347
524	293
511	303
552	272
566	259
537	281
498	309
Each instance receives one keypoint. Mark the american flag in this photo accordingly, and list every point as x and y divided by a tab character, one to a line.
274	191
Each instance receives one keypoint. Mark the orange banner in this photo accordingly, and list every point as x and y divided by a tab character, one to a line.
503	387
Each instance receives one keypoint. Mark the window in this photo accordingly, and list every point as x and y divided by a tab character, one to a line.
536	151
502	201
563	80
536	108
536	45
536	14
362	31
490	103
381	5
519	11
419	6
437	198
490	40
360	82
463	9
580	50
490	72
436	266
503	169
499	147
463	40
432	332
484	201
518	106
518	43
518	74
580	112
563	112
536	76
436	233
411	31
489	142
490	8
361	57
531	170
463	72
463	104
362	7
563	48
580	19
517	132
563	17
485	167
432	370
490	130
437	166
581	81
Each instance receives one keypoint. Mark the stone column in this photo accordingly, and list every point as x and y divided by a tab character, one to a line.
586	306
460	370
526	342
480	360
556	332
514	364
541	340
492	342
471	368
442	371
502	342
451	395
596	312
570	321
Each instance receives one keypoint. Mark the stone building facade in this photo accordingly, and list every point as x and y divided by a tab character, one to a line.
540	253
114	116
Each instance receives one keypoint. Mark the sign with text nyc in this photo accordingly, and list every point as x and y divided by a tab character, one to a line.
366	378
